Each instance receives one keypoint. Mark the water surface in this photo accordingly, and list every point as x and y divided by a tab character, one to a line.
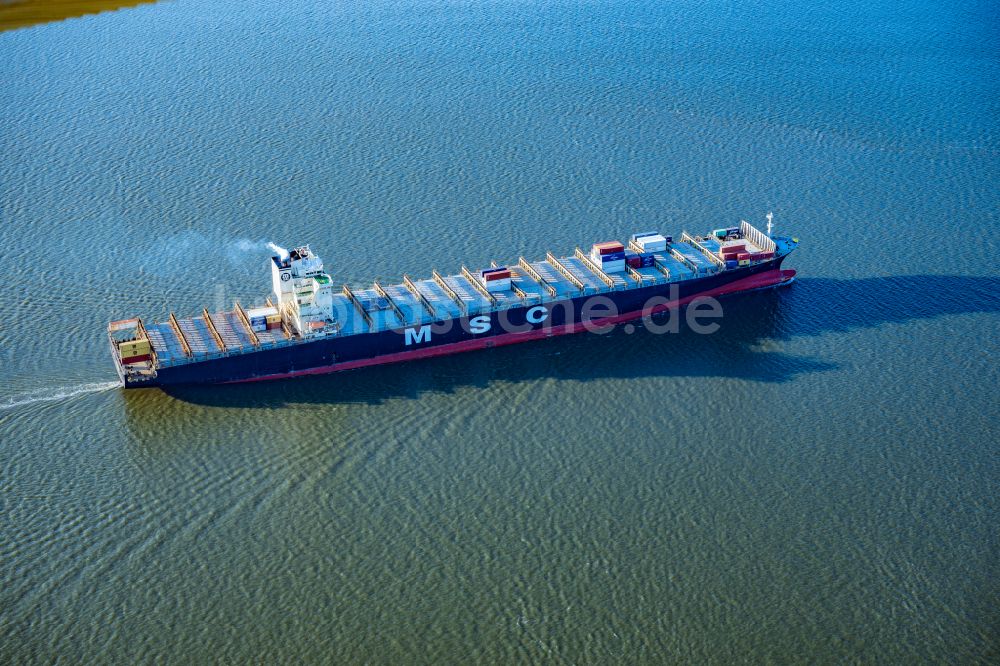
814	483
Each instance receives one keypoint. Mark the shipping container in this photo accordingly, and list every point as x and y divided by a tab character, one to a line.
133	348
498	275
743	255
647	261
652	243
732	263
262	312
136	359
273	325
617	256
614	266
609	247
744	262
634	262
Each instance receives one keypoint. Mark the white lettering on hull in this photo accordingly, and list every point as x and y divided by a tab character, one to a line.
480	324
477	325
537	315
423	334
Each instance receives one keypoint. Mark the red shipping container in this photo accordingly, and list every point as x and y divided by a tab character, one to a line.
767	255
634	262
743	256
610	247
273	326
498	275
136	359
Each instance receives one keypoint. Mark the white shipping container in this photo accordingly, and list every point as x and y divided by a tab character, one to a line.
254	313
657	243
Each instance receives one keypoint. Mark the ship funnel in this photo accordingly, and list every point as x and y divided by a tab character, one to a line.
280	251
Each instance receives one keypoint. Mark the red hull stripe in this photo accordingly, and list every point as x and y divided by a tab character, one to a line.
760	281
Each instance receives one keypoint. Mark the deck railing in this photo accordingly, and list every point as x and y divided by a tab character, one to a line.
757	237
594	268
384	294
416	292
479	286
441	282
180	335
242	316
210	325
567	273
679	256
357	305
536	276
715	259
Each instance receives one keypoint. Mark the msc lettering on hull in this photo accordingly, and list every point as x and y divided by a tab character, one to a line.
422	334
477	326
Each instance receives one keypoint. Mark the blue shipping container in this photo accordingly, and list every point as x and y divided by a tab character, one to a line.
731	263
614	256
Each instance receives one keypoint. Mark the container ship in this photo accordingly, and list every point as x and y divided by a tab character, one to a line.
308	326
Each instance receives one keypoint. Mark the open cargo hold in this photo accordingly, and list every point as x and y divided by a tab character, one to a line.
499	285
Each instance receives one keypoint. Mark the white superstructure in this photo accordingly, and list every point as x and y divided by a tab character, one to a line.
303	291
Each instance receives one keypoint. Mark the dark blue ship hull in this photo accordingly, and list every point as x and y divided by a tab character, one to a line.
517	324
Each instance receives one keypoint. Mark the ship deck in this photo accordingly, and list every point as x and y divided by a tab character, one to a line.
416	302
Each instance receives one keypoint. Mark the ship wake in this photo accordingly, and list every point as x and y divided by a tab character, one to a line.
56	394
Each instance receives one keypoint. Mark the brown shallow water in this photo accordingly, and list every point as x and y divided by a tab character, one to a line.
23	13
